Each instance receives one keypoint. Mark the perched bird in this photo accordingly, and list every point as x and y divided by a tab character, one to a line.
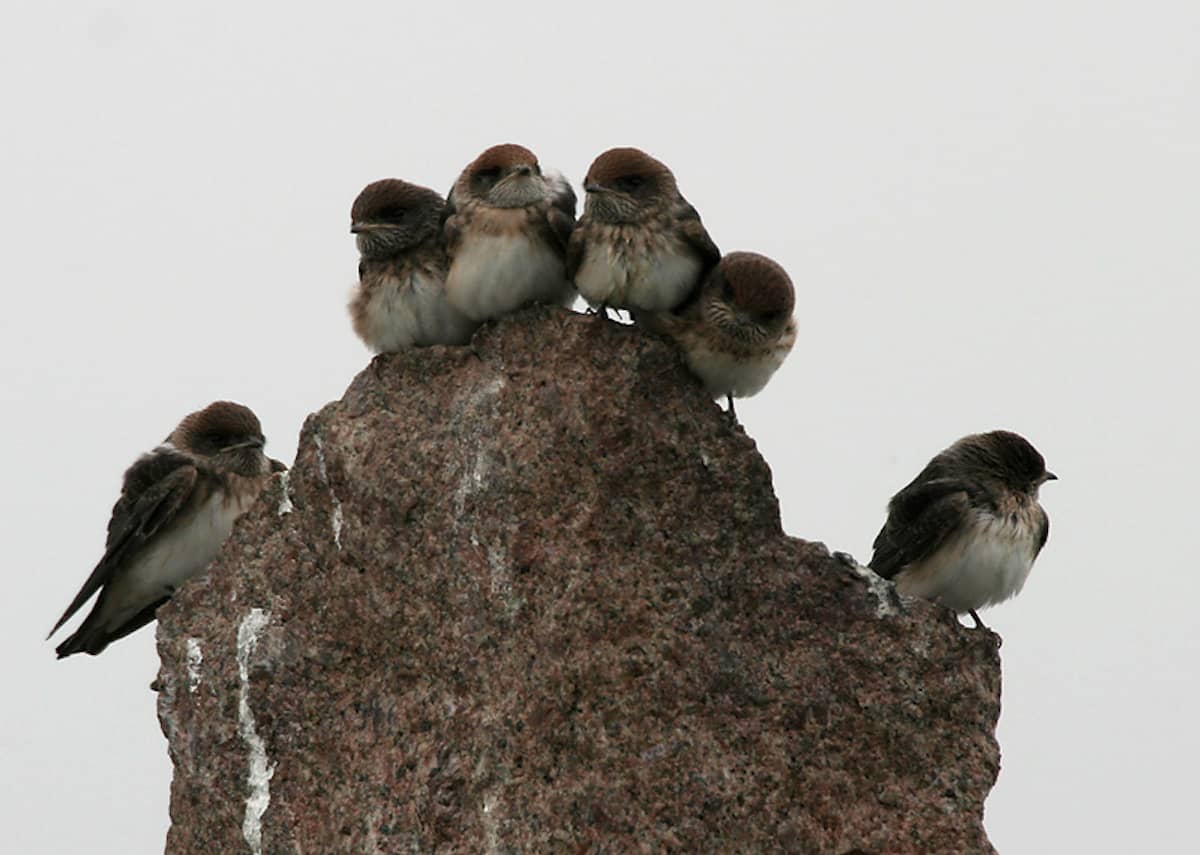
400	300
506	230
177	506
639	244
737	329
965	532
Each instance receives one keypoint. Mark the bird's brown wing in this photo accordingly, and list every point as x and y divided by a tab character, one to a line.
156	487
921	517
692	230
576	247
695	236
451	224
558	222
1043	532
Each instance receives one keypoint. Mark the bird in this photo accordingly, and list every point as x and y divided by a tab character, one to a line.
177	506
737	328
400	300
965	532
506	228
639	243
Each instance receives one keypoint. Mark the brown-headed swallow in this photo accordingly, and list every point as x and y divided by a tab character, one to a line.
639	244
177	506
506	230
400	300
965	532
737	329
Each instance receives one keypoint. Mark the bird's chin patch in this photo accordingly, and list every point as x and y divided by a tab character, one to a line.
613	208
517	192
383	243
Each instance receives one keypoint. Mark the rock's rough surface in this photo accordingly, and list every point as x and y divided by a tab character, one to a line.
533	595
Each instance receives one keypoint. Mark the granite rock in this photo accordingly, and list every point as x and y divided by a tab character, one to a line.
533	595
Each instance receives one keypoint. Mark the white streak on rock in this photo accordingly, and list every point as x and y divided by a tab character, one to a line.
883	590
337	506
491	830
285	503
474	475
258	779
194	659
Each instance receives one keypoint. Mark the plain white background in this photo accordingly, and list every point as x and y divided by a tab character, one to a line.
990	212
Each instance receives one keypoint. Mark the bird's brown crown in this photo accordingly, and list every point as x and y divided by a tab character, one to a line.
217	426
502	157
756	284
382	200
617	163
1001	454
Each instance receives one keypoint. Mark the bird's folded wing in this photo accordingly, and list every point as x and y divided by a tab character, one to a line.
156	488
921	517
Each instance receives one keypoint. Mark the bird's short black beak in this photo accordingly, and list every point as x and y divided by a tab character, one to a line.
278	465
1050	476
591	187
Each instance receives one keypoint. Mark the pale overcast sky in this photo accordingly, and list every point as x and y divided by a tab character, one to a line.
990	212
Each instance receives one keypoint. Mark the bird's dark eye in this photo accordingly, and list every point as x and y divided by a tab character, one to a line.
630	183
489	174
214	441
393	214
727	292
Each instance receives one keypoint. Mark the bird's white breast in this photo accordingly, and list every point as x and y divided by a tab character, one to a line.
411	309
739	375
986	563
494	274
170	559
626	274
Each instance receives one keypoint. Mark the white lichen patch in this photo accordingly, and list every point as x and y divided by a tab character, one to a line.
285	500
475	474
880	588
500	573
258	778
491	830
337	517
194	659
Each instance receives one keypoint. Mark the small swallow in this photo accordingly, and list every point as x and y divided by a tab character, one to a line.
506	230
177	505
737	329
400	300
639	244
966	531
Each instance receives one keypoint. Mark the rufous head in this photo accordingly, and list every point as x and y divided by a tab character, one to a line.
626	185
503	176
391	216
748	297
229	435
1000	455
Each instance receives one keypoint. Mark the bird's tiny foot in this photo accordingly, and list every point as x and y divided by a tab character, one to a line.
730	412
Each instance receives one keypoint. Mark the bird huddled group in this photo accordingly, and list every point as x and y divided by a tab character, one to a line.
432	269
965	532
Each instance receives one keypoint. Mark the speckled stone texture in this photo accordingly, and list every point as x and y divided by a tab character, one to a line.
533	595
